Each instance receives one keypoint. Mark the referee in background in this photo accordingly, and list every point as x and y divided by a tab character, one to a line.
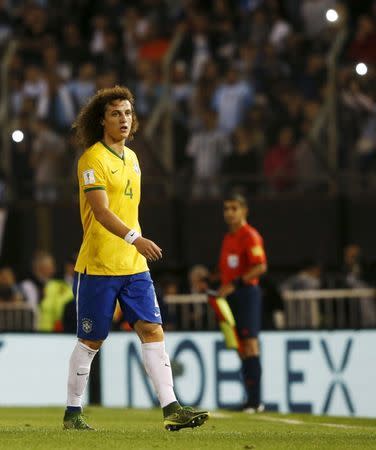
242	262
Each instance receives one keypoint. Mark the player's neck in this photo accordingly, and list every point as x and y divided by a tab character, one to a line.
234	228
116	146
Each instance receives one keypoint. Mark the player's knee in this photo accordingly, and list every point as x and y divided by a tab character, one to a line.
152	333
95	345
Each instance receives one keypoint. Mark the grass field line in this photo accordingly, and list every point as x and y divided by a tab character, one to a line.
302	422
220	415
276	419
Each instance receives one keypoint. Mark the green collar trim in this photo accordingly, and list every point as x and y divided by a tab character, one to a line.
112	151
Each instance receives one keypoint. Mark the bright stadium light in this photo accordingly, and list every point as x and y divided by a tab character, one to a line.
17	136
331	15
361	69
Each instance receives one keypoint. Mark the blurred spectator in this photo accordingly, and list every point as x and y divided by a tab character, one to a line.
198	45
309	278
280	29
33	32
6	29
361	311
231	100
148	87
133	28
181	89
203	92
109	56
279	161
83	87
35	87
46	160
57	296
72	45
43	269
363	46
312	77
247	61
309	169
100	26
9	290
366	146
207	148
242	166
352	274
198	278
53	64
68	316
56	104
57	293
154	44
256	27
195	315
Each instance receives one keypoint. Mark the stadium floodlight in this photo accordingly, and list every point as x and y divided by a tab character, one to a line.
331	15
361	69
17	136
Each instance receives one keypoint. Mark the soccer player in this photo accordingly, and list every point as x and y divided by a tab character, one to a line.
112	262
242	262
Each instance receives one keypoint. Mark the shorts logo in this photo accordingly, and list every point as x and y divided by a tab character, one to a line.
87	325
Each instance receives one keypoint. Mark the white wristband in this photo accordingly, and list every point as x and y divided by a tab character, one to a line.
131	236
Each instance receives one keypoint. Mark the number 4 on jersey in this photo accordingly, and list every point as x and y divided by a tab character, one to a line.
128	189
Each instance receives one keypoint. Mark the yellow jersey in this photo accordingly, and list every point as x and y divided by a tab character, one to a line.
103	253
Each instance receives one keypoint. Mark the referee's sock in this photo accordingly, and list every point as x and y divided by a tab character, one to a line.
251	369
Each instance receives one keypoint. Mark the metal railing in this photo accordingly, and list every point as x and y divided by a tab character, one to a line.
330	308
17	317
190	312
310	309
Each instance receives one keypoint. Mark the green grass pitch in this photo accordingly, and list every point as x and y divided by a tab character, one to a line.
41	428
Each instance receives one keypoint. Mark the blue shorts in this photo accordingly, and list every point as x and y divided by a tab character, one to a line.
96	297
246	306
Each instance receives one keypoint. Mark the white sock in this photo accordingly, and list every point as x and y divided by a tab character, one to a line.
79	370
158	367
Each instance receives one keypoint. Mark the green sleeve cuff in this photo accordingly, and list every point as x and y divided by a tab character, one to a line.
95	188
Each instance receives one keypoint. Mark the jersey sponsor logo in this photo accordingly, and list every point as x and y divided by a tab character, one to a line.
233	261
88	176
257	250
87	325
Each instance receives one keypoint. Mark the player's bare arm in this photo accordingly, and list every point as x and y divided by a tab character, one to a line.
254	272
99	204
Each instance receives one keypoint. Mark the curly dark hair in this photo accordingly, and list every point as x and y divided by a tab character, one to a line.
88	127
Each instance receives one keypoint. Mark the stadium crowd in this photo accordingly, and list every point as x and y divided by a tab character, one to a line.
248	81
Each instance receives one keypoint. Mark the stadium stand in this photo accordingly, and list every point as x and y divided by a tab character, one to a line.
296	125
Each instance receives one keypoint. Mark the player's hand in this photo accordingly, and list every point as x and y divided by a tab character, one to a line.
225	290
148	248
